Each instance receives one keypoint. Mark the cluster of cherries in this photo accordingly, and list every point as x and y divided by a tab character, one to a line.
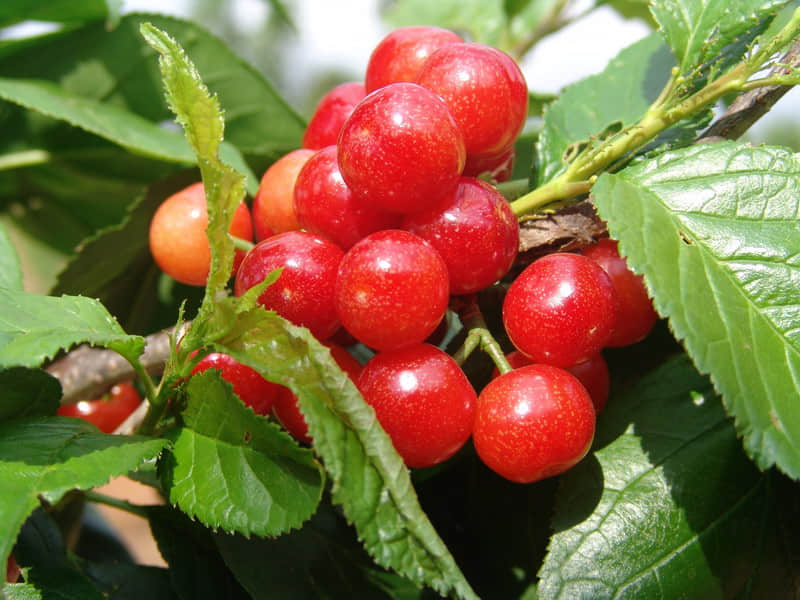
379	220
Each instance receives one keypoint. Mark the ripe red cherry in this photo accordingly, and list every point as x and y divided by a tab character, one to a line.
400	55
401	149
255	391
422	399
107	412
273	206
303	293
325	205
12	570
636	314
498	167
177	235
391	290
533	422
485	92
331	113
285	408
560	310
476	233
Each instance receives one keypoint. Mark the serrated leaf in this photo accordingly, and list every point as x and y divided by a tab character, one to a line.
619	96
28	393
59	11
718	32
236	471
667	506
10	269
47	457
370	481
715	229
34	327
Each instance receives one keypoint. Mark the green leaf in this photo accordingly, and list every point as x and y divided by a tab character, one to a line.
34	327
668	506
602	104
28	393
706	33
10	269
125	581
714	229
47	457
119	68
370	481
234	470
59	11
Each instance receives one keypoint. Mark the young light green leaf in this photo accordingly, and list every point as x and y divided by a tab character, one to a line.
370	481
667	492
10	269
606	102
27	393
706	33
34	327
236	471
715	229
47	457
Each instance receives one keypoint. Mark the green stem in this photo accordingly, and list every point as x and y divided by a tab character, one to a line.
241	244
479	336
557	189
26	158
98	498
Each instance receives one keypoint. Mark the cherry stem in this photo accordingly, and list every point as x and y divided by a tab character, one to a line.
241	244
478	335
99	498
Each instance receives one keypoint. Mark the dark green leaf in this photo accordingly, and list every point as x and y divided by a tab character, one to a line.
715	231
668	506
125	581
236	471
606	102
27	393
60	11
10	269
34	327
47	457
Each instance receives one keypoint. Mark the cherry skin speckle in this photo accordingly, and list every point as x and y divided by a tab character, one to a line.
331	113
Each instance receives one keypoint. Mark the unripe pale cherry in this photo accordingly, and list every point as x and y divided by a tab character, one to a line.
392	290
331	113
484	90
325	205
273	206
475	232
303	293
422	399
177	235
400	55
401	149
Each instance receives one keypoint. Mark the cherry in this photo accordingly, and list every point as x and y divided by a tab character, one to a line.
533	422
273	206
331	113
400	55
560	310
498	167
303	293
636	314
485	92
391	290
288	412
476	233
255	391
178	239
422	399
12	570
401	149
325	205
107	412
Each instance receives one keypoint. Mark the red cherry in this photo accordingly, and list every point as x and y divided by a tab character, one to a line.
485	92
391	290
560	310
476	233
401	149
303	293
422	399
177	235
331	113
636	314
12	570
400	55
288	412
498	168
325	205
534	422
255	391
108	412
273	206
